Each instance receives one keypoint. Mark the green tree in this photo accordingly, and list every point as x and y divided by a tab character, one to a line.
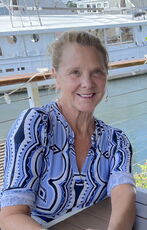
71	4
141	178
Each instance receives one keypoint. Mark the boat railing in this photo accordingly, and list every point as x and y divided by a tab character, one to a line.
29	81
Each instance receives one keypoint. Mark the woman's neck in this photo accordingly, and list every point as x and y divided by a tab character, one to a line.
82	123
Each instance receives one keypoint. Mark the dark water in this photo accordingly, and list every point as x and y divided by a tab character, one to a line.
126	108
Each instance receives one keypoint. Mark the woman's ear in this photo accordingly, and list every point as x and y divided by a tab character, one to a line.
53	72
55	75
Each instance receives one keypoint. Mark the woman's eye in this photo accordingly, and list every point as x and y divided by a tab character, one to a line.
98	72
75	72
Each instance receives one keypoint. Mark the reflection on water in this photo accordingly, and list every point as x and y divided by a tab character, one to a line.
126	108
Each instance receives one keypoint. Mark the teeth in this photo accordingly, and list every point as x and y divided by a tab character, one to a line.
86	95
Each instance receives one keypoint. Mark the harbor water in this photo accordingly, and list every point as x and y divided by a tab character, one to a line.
125	108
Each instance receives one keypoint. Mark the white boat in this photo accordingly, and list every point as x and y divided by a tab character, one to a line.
28	30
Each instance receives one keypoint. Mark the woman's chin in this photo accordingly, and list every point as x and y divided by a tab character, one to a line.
84	109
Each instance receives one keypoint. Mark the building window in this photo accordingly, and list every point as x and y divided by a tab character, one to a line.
94	6
88	6
35	38
106	4
15	3
99	5
126	34
12	39
1	53
81	6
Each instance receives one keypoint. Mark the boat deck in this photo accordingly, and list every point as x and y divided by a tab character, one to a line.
24	24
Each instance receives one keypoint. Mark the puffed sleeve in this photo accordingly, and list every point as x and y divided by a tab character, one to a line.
120	161
23	159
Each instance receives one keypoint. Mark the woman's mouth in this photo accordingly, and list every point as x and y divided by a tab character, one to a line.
90	95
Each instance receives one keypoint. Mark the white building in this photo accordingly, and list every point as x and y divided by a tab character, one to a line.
106	5
92	4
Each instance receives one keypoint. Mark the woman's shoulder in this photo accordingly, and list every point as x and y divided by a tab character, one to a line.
33	117
32	121
105	126
107	129
112	136
40	111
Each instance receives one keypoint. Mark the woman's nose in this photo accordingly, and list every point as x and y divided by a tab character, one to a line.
86	81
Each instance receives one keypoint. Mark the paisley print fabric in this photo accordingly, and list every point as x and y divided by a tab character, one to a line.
41	169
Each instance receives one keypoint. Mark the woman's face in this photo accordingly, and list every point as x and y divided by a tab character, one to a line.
81	77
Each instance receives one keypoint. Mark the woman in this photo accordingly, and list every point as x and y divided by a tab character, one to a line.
60	157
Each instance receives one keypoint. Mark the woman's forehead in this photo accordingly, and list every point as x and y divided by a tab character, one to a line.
78	49
76	52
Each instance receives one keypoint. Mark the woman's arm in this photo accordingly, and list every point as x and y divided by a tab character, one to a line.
16	218
123	207
23	169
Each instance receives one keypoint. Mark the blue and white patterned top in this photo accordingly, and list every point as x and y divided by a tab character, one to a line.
41	169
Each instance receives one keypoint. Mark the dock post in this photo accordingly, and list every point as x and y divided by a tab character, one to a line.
33	94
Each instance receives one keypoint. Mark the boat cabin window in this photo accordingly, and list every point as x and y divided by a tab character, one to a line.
112	35
12	39
22	68
126	34
119	35
1	70
35	38
1	53
10	70
98	33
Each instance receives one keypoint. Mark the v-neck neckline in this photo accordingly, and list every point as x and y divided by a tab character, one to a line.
71	142
89	156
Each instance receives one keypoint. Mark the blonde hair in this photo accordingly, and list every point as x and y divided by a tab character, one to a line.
80	37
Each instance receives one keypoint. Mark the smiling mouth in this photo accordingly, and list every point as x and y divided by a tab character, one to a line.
90	95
